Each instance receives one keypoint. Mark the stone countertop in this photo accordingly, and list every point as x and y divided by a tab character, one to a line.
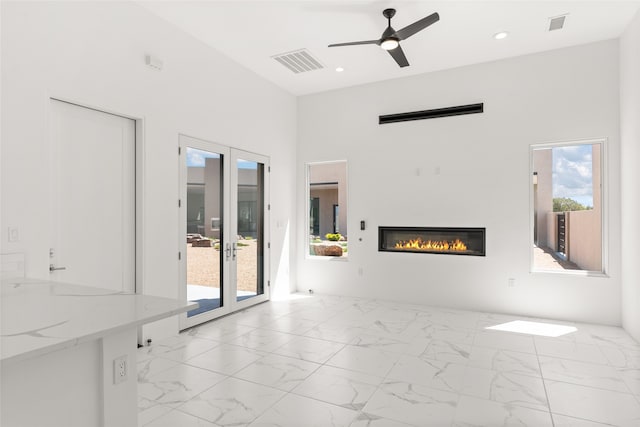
38	317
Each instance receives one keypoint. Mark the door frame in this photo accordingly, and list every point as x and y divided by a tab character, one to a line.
228	290
140	186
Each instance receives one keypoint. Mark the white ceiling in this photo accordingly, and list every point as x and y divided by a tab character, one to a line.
251	32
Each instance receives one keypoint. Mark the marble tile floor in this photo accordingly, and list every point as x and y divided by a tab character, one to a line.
334	361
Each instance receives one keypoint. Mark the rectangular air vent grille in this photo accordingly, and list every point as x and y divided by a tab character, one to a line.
299	61
557	23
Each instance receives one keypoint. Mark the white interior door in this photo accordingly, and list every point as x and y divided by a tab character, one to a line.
223	218
93	197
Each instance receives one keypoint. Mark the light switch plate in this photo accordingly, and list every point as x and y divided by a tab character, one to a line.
14	234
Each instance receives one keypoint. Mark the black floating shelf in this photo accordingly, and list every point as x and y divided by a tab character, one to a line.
432	114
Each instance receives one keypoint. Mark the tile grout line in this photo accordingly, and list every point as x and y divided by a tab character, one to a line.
617	369
292	391
544	384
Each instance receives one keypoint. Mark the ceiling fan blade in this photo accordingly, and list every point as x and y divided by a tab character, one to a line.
398	55
420	25
355	43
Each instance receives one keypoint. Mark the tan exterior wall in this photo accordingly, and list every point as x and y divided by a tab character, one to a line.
195	175
543	198
331	172
552	231
585	232
328	198
209	178
585	240
597	178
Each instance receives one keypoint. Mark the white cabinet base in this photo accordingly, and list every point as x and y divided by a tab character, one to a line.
72	387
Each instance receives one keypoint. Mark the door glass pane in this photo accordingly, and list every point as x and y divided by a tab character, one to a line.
204	225
249	251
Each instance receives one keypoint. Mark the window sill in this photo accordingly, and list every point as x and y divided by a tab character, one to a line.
326	258
574	273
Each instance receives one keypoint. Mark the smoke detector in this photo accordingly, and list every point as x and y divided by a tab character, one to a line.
299	61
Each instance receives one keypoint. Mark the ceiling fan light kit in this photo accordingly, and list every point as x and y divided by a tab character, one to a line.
389	44
390	39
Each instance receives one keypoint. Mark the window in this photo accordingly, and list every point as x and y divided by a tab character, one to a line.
327	210
567	212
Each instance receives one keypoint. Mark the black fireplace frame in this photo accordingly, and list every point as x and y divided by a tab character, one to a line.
478	250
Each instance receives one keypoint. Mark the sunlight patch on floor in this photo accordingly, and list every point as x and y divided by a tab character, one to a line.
534	328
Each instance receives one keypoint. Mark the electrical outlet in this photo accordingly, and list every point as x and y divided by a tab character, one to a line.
14	234
120	369
511	283
360	271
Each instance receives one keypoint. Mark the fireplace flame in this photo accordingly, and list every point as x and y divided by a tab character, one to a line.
429	245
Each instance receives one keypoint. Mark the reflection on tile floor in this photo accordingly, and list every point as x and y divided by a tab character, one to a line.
334	361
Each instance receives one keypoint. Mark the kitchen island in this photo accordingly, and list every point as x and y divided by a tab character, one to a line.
68	353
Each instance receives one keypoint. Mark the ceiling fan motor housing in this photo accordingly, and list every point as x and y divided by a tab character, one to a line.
388	13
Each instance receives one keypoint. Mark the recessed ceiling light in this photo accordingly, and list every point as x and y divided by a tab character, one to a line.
339	70
501	35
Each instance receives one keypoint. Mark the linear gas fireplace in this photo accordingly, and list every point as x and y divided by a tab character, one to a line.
432	240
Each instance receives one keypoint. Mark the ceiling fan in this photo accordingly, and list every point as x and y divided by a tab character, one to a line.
390	39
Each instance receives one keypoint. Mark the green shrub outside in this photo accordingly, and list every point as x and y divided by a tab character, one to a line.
334	237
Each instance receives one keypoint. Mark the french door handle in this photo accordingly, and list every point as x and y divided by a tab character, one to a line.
234	252
227	250
53	268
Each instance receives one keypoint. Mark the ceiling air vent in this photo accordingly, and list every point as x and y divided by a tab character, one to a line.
299	61
557	22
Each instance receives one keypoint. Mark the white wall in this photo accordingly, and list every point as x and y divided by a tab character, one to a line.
93	53
464	171
630	144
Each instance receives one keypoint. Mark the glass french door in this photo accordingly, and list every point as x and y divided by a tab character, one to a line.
223	217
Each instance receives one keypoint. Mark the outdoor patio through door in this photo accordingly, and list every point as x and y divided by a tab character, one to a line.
222	215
